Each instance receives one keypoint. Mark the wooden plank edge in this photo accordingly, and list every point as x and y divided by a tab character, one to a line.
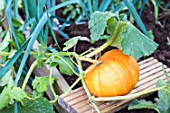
146	60
66	106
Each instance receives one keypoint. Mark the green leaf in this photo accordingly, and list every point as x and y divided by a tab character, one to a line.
21	38
137	44
17	94
105	37
163	102
40	62
40	55
135	104
5	41
40	84
39	105
64	68
3	33
6	78
13	44
111	27
16	23
4	97
70	43
2	6
9	64
12	53
98	23
64	63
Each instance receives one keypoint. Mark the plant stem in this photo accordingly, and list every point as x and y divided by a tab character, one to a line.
67	65
4	53
89	96
92	66
101	48
29	73
71	87
131	96
52	89
89	50
88	60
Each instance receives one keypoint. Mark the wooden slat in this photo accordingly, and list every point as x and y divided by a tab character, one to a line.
77	101
146	60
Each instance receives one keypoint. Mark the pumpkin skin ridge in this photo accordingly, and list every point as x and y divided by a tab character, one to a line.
114	90
124	86
97	84
130	59
107	75
93	86
119	81
88	82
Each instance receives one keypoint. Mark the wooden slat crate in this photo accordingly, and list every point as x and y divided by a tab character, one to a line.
76	101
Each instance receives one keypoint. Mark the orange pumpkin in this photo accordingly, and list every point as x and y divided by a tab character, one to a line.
117	75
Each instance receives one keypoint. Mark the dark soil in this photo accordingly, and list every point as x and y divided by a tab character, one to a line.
161	32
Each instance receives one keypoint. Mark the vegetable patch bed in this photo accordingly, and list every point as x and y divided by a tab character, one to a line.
94	46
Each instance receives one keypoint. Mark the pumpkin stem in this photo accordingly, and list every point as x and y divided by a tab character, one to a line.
88	60
75	83
98	63
101	48
92	66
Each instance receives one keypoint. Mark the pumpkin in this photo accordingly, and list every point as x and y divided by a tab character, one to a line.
116	75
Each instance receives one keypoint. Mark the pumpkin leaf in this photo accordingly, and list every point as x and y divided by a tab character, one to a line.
98	23
65	64
135	43
105	37
4	97
136	104
70	43
111	27
5	79
40	62
64	68
163	102
17	93
40	84
38	105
